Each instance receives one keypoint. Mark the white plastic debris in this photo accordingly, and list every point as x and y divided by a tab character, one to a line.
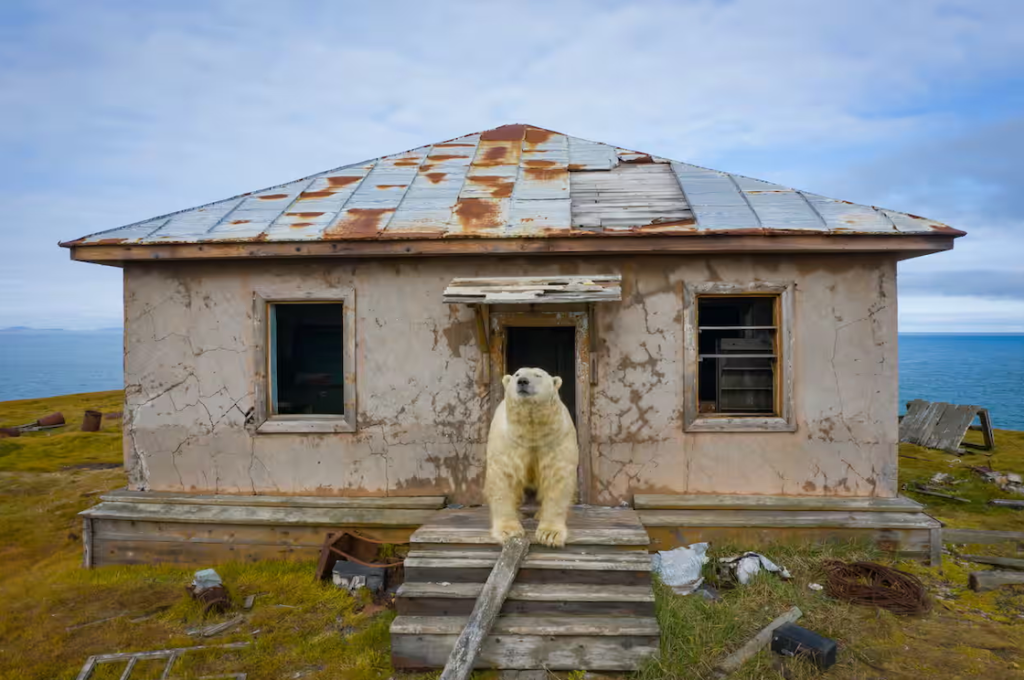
815	586
748	565
205	579
680	569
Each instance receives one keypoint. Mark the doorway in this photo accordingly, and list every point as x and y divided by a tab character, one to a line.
550	348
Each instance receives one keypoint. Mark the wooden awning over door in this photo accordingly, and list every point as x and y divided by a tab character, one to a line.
534	289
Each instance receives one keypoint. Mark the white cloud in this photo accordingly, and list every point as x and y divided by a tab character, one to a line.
116	111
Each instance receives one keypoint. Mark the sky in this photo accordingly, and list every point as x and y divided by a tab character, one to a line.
113	111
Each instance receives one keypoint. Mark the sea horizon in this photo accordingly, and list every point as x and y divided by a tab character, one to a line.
983	369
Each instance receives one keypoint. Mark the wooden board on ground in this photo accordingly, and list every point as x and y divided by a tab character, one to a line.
981	581
942	426
981	536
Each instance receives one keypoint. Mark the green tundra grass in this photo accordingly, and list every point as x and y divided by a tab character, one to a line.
53	614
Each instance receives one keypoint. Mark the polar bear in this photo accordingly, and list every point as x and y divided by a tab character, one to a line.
532	444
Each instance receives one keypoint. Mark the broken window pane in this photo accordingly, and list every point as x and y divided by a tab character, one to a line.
736	354
307	358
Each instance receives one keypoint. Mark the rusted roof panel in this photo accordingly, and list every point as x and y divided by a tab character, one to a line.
516	181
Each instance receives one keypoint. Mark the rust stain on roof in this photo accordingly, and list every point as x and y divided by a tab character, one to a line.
544	174
505	133
539	163
272	197
500	187
304	215
240	221
478	214
449	145
436	177
407	163
537	135
312	195
437	158
392	186
359	223
639	160
342	181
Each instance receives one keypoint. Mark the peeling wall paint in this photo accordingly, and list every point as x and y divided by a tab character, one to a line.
423	412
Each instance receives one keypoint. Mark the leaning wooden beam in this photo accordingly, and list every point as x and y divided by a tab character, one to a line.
1008	562
1007	503
492	597
981	581
732	663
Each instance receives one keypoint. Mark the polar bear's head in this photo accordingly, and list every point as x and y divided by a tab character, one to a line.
531	383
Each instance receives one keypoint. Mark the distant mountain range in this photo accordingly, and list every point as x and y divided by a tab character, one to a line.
29	329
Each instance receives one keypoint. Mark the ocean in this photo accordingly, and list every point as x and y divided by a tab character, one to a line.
987	370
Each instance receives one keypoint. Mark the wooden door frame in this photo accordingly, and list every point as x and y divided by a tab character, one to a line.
580	320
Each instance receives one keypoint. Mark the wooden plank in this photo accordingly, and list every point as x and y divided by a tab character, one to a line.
936	494
579	561
906	542
935	548
980	536
457	599
531	290
553	626
488	604
1007	503
732	663
588	525
612	243
987	433
787	519
982	581
170	497
1008	562
561	592
562	653
737	502
221	514
87	542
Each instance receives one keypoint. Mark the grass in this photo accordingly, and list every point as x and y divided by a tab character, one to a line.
52	612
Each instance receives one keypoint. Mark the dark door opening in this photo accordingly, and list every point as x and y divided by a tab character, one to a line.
551	348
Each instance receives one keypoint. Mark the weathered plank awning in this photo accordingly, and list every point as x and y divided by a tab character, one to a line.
532	290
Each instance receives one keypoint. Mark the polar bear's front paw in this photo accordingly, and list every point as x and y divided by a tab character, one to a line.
503	531
553	535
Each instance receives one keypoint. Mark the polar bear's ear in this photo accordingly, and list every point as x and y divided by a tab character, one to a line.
558	382
505	381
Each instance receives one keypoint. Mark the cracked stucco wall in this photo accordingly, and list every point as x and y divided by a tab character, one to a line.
423	413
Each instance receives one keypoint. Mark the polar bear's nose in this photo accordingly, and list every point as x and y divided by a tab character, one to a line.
523	382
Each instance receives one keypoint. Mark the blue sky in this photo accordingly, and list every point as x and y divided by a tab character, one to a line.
113	111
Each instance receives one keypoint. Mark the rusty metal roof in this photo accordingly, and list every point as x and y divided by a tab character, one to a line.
515	181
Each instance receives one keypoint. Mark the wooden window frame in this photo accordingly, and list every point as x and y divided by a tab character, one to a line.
783	420
267	422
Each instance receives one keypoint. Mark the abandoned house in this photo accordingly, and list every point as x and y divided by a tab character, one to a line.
327	352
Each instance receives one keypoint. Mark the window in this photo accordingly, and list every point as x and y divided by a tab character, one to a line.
736	355
307	349
738	375
307	369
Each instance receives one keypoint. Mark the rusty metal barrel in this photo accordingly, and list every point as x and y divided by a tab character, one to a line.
91	421
51	420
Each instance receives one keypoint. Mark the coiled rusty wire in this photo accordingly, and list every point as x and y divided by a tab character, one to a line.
875	584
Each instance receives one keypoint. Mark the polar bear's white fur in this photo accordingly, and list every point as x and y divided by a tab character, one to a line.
532	444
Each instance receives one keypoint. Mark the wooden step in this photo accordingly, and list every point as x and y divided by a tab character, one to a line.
588	525
457	599
608	643
627	568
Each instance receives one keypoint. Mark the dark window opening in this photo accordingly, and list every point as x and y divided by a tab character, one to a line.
736	354
307	358
551	348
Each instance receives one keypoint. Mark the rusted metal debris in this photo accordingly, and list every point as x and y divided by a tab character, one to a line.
208	588
515	181
47	422
91	421
351	560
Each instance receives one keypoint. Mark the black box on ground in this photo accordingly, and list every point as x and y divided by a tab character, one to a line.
790	639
